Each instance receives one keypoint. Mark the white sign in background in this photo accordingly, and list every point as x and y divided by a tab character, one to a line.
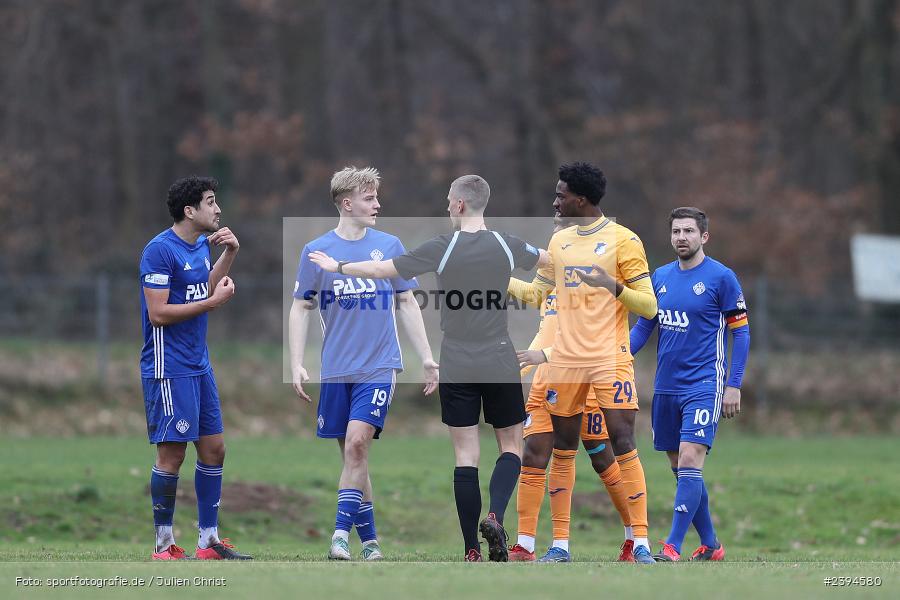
876	267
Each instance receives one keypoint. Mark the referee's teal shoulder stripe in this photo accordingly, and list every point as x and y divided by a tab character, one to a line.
544	279
638	278
603	224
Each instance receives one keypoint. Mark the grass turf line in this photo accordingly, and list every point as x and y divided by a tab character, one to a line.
774	500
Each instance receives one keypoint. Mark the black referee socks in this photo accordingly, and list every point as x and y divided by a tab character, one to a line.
503	482
468	503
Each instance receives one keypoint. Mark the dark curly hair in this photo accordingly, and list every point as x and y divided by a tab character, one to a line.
188	191
584	179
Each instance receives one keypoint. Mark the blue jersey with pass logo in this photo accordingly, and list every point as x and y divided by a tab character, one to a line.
177	350
695	307
357	314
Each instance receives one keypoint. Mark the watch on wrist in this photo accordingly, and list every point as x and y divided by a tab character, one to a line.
341	264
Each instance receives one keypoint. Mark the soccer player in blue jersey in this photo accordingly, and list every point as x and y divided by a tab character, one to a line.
180	395
698	298
361	350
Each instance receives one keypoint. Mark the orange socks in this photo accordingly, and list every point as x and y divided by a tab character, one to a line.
529	499
635	490
612	479
562	481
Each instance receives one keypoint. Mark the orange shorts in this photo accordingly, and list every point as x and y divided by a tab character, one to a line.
568	388
537	419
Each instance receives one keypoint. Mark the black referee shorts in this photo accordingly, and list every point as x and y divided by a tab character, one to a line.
480	374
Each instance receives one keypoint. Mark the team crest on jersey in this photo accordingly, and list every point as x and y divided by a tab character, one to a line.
376	254
182	426
208	267
741	304
699	288
600	250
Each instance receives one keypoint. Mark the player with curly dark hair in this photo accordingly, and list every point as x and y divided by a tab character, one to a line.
600	274
188	191
180	394
584	179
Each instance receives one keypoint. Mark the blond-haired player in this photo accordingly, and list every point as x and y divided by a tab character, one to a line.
360	351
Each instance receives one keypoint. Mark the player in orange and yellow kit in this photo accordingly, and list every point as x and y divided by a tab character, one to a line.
600	273
538	444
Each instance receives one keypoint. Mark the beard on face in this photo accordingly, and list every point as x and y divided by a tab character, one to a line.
687	253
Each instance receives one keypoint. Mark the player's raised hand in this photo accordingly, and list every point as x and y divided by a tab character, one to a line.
530	357
325	262
431	376
224	291
731	402
598	277
300	377
224	237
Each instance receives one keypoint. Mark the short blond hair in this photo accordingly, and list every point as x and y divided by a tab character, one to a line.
351	179
473	189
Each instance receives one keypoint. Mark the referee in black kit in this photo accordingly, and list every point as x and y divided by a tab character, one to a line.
479	367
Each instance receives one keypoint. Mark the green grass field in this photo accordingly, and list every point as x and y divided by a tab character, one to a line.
790	512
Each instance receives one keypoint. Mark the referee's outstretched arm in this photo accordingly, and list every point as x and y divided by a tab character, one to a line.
376	269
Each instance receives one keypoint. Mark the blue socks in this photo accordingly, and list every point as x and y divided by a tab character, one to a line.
703	519
208	485
347	509
365	522
703	522
687	500
162	490
163	486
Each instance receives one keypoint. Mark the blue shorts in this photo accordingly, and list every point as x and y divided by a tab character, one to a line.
182	409
356	398
690	417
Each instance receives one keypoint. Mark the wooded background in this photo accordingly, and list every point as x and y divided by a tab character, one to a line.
781	119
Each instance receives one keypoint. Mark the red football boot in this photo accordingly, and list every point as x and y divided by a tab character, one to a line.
173	552
707	553
667	554
518	553
473	555
221	550
627	551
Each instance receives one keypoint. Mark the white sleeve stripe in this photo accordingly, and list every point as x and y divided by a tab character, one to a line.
158	353
447	252
512	263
